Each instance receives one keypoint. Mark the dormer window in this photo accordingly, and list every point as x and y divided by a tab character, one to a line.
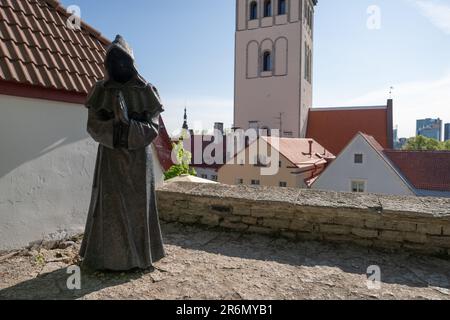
254	10
268	8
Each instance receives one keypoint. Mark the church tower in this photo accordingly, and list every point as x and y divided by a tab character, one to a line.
273	65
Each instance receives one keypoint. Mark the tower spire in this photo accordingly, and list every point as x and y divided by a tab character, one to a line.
185	124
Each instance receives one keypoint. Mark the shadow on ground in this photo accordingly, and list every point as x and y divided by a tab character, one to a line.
403	268
330	261
53	285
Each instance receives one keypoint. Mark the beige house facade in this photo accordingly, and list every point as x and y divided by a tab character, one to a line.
298	162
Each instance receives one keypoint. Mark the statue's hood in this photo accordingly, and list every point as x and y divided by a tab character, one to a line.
120	44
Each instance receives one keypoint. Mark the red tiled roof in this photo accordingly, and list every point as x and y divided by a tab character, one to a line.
297	151
427	170
334	128
38	49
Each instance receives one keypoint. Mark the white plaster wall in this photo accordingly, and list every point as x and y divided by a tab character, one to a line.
46	169
379	177
158	169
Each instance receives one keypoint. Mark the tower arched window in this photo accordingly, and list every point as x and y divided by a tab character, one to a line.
281	7
268	8
253	10
267	61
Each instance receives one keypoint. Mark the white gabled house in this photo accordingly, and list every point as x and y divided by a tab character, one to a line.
363	167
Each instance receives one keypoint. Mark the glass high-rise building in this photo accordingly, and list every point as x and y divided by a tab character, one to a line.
430	128
447	132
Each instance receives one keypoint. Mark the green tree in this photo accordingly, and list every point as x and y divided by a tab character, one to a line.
421	143
446	145
181	167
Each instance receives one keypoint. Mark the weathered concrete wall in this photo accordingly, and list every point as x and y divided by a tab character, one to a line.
391	222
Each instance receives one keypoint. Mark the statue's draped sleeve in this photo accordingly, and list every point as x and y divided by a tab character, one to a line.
142	129
100	122
142	133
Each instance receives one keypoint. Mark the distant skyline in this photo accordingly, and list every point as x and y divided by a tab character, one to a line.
186	49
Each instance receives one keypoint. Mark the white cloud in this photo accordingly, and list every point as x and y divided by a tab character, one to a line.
436	12
412	101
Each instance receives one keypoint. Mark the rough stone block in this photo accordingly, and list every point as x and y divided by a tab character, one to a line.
235	226
182	204
337	237
240	209
250	220
188	219
233	218
440	241
365	233
262	230
446	230
391	235
414	237
430	228
210	220
289	235
385	224
276	223
350	221
307	236
334	229
263	212
301	225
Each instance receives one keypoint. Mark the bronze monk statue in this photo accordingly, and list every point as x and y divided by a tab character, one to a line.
122	229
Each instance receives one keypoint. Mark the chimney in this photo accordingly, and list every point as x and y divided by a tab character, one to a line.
390	123
310	147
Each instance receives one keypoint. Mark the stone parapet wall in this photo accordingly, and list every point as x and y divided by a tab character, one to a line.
413	223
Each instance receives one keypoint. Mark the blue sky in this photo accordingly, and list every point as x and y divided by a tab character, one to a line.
186	49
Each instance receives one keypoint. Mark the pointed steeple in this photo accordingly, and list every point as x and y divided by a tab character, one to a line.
185	124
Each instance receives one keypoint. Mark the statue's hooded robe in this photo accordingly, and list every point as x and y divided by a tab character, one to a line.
122	230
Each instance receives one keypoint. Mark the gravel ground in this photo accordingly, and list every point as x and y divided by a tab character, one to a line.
217	264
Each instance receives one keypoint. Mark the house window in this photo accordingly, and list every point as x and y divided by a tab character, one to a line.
267	61
256	182
254	10
283	184
268	8
204	176
214	178
359	158
358	186
281	7
239	181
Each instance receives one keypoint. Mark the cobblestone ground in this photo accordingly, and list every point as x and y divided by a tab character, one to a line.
215	264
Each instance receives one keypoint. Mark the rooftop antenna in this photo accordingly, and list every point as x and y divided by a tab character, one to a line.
280	118
390	92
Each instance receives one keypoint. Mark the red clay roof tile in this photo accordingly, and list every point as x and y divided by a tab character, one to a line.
334	128
37	48
427	170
